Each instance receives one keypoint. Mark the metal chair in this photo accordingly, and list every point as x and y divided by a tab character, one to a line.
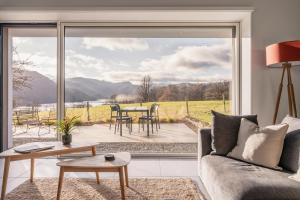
16	122
153	117
50	119
113	113
125	118
30	118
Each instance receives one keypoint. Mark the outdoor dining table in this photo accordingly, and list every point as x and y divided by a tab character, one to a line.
141	109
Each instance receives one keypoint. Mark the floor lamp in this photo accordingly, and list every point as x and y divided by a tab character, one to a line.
283	55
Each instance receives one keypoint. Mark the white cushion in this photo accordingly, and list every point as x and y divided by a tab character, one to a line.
294	123
262	147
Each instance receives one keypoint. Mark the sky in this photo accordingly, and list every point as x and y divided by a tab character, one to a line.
166	60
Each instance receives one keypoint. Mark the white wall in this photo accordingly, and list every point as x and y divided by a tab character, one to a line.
273	21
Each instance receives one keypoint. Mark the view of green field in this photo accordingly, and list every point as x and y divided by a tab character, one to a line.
169	112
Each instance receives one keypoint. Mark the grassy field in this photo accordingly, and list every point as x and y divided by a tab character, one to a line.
168	111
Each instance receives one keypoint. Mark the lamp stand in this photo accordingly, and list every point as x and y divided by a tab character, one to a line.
291	94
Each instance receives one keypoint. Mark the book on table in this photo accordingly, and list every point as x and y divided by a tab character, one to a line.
33	147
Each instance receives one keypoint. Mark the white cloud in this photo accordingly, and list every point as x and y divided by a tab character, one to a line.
17	41
43	64
80	65
162	77
128	44
191	64
190	77
121	76
185	64
192	58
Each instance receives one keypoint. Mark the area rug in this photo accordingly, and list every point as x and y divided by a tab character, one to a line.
108	189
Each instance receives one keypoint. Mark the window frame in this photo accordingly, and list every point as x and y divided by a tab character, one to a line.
236	72
61	25
6	122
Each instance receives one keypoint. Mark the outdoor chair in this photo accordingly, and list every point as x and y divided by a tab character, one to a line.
16	121
50	119
35	121
153	117
127	119
30	118
20	119
113	113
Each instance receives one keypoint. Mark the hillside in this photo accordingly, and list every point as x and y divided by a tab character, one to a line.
42	90
85	89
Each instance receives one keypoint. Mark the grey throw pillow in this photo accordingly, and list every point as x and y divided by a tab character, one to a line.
225	129
290	158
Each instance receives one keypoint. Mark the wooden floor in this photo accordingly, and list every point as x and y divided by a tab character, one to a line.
138	167
169	133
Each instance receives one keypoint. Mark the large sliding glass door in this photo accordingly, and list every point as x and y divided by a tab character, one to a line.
187	69
32	88
84	70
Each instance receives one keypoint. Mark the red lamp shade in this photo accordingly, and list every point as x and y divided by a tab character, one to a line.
283	52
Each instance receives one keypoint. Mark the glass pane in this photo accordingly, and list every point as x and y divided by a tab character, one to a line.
33	53
186	71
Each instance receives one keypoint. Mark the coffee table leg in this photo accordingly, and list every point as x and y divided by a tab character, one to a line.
97	173
121	177
60	182
5	177
31	169
126	176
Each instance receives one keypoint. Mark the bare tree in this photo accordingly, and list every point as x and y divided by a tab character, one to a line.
145	89
20	79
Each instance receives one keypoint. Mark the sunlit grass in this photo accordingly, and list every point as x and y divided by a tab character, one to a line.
168	111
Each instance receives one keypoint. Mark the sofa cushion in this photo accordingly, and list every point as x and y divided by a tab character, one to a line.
229	179
259	146
294	123
204	142
290	158
225	130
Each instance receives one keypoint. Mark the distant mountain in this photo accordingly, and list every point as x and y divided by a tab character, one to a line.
93	89
43	90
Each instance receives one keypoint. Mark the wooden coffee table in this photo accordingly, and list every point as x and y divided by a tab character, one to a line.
97	164
58	149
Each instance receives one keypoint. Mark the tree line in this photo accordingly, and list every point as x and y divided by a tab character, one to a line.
148	92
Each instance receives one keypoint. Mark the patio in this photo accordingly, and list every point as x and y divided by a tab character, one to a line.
170	138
